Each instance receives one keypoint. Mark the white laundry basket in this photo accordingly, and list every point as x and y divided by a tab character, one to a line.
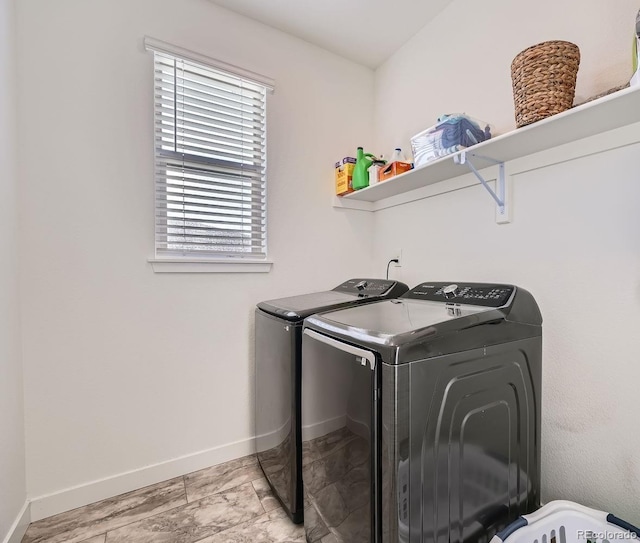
568	522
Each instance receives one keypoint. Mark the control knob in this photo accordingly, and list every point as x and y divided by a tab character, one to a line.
361	285
450	291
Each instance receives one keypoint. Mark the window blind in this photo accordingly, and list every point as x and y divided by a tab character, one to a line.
210	161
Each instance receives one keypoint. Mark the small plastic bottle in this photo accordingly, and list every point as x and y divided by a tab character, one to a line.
374	170
397	155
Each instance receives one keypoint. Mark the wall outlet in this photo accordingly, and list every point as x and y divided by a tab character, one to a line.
397	254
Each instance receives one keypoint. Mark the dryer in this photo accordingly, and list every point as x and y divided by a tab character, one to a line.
278	343
421	416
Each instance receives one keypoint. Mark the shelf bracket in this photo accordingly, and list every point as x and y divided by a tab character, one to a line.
501	183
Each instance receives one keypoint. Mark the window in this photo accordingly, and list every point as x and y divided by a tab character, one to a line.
210	159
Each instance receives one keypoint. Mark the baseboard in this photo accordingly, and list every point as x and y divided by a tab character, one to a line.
322	428
267	441
20	525
78	496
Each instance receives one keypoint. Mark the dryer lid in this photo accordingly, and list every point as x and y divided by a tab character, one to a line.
395	322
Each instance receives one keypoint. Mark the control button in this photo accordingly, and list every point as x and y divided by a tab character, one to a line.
361	285
450	291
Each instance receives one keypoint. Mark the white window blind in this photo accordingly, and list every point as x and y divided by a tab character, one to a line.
210	161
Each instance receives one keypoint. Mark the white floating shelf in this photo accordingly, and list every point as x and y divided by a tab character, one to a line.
613	111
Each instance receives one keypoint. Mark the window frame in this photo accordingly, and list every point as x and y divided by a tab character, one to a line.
192	262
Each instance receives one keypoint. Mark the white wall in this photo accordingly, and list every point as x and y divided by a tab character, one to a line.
12	470
460	62
123	367
574	240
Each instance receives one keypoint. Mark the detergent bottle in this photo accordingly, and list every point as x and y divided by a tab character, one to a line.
360	172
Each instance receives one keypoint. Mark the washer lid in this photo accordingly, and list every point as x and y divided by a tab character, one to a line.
351	292
299	307
395	322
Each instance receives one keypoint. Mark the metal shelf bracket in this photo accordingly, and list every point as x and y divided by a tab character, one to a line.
501	198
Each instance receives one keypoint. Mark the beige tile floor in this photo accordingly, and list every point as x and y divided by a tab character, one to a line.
228	503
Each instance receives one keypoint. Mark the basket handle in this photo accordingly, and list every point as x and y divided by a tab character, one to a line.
520	522
612	519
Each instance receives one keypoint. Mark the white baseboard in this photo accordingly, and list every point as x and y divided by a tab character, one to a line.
269	440
78	496
322	428
20	525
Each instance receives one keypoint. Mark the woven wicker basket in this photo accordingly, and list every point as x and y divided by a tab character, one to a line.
544	80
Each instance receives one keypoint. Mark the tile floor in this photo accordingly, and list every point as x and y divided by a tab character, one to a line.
228	503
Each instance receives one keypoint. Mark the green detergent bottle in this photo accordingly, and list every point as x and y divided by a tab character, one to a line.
361	171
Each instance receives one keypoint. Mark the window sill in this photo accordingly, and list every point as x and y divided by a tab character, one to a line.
197	265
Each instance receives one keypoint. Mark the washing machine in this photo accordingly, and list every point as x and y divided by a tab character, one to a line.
278	343
421	416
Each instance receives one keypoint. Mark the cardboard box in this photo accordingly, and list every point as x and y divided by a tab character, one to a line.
393	169
344	175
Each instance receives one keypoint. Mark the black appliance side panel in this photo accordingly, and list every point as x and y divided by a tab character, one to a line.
475	442
277	408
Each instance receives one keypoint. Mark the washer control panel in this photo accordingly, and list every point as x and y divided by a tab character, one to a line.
484	294
365	287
